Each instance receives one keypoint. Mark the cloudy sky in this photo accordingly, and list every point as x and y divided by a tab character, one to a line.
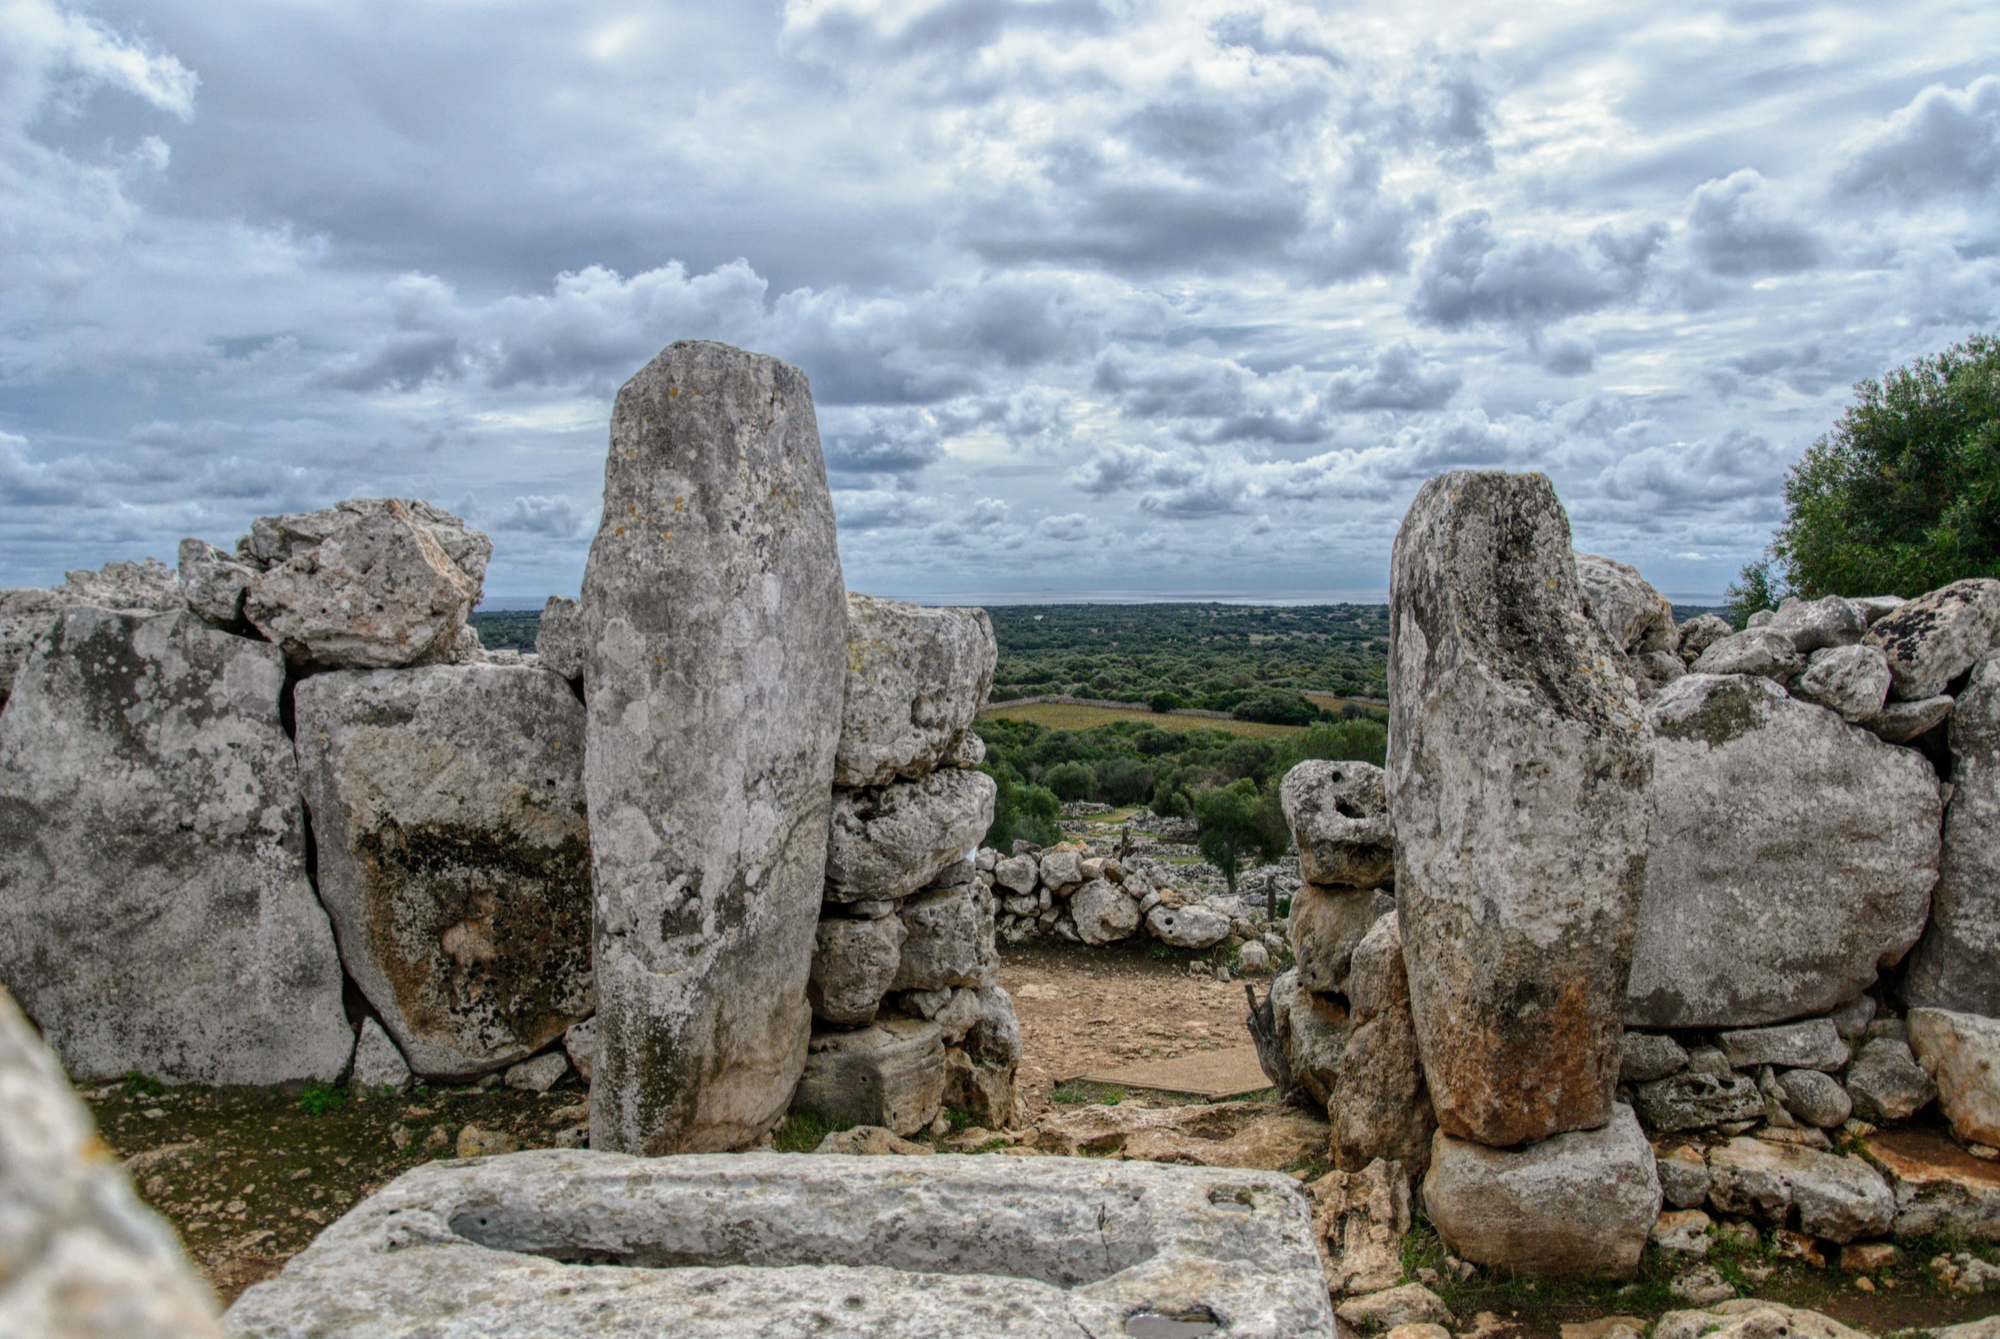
1171	296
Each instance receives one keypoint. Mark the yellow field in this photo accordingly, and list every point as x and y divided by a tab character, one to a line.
1060	716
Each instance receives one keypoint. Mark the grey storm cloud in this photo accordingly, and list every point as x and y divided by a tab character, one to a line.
1093	294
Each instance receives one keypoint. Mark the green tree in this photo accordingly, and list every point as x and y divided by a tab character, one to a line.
1020	811
1071	780
1903	495
1232	824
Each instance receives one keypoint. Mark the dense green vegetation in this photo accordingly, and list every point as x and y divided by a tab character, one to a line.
1901	496
507	629
1217	657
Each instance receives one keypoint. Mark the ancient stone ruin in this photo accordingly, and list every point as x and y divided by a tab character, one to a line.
1679	917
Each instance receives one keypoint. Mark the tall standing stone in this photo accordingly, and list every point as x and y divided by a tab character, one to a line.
155	913
715	632
1518	768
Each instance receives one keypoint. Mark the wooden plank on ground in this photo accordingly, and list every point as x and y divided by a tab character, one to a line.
1214	1075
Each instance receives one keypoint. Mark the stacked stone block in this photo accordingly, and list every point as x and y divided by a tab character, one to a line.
909	1017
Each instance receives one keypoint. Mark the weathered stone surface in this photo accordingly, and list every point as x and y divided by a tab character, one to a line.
1411	1304
1103	914
1325	927
1874	608
1815	1097
1578	1205
1852	680
1886	1083
1934	638
80	1256
1653	670
377	1062
1220	1134
1683	1176
454	854
1695	1101
1380	1108
213	582
1941	1190
1518	774
1682	1233
1632	614
968	751
1761	804
1019	873
1061	867
1313	1032
715	634
24	616
1359	1221
772	1244
916	677
539	1073
277	539
1900	722
1814	625
378	591
1851	1020
1751	1318
1839	1198
1957	963
1812	1044
559	637
1339	816
154	908
1755	651
950	941
1961	1051
1645	1056
1191	926
889	841
580	1044
872	1141
147	586
1700	633
889	1074
854	963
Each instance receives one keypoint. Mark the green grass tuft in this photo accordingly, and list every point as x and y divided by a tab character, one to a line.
321	1098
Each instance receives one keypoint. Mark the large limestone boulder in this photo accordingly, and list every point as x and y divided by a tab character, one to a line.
1339	816
949	941
1579	1205
147	586
559	637
1102	913
1839	1198
1518	773
154	909
371	588
891	1074
714	633
1962	1053
213	582
1934	638
1956	965
1325	926
1634	616
1941	1190
80	1256
1312	1032
889	841
1852	680
854	961
916	678
454	854
1361	1218
1792	856
1758	651
1380	1107
777	1244
1814	625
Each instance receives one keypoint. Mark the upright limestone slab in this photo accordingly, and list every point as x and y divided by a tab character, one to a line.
454	855
1518	767
1956	965
715	633
154	909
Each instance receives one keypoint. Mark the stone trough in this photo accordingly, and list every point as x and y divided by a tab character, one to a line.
772	1244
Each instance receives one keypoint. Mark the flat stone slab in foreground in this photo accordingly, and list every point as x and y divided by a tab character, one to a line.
774	1245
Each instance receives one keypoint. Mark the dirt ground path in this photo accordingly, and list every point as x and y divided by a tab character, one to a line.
1083	1009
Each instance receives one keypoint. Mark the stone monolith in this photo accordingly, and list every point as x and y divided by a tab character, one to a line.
1518	769
1956	965
714	634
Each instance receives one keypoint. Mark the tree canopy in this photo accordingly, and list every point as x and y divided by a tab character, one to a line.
1901	496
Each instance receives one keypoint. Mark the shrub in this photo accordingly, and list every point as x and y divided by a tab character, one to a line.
1166	701
1021	812
1071	780
1278	708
